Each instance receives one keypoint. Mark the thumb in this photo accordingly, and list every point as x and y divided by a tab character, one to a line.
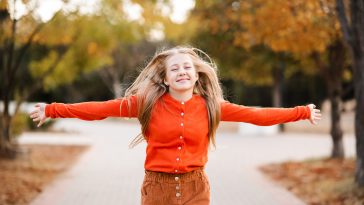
41	122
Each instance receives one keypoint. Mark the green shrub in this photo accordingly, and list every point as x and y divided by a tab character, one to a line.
19	124
22	122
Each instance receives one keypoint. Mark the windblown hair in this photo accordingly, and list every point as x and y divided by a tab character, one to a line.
149	87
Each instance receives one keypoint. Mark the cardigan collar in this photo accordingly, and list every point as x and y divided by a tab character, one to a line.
167	96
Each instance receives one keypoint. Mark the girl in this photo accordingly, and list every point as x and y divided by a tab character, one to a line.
178	101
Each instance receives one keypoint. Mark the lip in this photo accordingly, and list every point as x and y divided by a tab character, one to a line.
182	79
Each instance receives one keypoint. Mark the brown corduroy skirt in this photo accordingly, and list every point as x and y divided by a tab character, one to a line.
190	188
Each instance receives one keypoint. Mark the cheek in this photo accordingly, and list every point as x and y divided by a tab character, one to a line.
169	76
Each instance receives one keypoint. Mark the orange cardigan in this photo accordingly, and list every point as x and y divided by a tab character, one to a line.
178	131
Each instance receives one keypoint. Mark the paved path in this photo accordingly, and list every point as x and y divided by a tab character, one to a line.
110	173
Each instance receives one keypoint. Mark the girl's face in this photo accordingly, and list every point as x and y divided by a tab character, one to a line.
181	74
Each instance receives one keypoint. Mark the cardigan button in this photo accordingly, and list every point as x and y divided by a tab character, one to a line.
178	194
182	113
176	178
179	147
181	124
182	103
177	158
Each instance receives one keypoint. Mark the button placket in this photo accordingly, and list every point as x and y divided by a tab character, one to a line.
179	148
178	186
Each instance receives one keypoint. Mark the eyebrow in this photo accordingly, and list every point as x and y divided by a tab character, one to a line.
185	63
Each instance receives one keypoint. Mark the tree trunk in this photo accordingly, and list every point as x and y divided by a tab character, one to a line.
6	149
359	119
357	21
118	90
278	77
333	73
277	88
336	130
354	36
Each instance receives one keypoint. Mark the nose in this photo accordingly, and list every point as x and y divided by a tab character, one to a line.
181	72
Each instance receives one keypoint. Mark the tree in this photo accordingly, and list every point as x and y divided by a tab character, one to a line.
133	41
290	29
127	57
58	57
353	33
11	55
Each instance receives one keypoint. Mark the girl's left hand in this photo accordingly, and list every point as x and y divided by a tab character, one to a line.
315	114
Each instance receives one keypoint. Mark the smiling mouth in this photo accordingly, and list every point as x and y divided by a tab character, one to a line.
179	80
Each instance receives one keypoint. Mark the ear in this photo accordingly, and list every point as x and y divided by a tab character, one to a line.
165	82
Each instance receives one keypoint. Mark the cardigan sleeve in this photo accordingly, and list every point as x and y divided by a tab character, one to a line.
262	116
93	110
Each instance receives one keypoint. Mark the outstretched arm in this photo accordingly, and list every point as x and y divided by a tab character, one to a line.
85	110
268	116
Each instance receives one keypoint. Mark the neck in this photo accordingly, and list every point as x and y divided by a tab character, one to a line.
181	96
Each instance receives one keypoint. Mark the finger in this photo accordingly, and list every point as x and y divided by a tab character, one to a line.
317	119
34	111
40	123
34	115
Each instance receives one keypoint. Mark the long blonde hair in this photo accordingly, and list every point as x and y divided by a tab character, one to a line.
149	87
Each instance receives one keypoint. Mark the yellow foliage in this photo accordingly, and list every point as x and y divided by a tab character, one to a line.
299	26
3	4
38	68
92	48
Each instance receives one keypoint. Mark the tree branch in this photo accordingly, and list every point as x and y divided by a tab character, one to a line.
24	49
26	46
38	81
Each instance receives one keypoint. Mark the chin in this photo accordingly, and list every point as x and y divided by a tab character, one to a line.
184	88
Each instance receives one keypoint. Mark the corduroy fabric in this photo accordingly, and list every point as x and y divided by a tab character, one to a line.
191	188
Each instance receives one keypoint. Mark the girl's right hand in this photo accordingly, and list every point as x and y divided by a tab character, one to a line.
38	114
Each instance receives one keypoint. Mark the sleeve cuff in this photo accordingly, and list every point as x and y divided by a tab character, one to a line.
47	110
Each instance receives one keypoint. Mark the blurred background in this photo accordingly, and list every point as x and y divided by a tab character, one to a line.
269	54
281	53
